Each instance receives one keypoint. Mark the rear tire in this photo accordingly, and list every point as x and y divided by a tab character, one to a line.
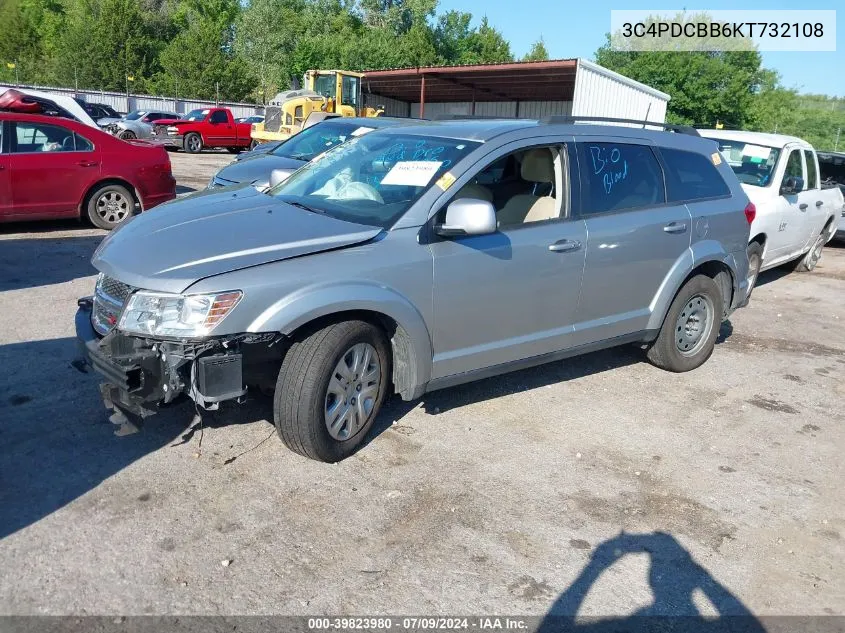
327	397
690	328
108	205
755	262
192	143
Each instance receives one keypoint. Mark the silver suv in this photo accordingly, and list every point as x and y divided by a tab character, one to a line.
420	257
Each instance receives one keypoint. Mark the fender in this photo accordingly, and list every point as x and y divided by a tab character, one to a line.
699	253
295	310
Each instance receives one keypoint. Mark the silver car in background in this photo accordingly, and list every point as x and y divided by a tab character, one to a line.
299	149
414	258
136	124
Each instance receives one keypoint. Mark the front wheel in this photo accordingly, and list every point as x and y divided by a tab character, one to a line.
755	262
808	262
690	328
330	389
192	143
128	135
253	145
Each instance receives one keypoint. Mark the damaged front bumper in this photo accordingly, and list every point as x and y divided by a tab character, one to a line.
141	374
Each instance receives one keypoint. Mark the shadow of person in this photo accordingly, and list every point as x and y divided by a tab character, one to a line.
674	577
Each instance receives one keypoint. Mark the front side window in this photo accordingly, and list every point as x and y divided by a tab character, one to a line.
753	164
812	173
219	117
374	178
692	176
794	168
522	186
617	176
30	138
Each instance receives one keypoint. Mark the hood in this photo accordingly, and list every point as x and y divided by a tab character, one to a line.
107	121
209	233
257	168
759	195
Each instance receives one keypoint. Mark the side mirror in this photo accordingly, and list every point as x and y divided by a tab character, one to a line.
468	216
792	184
279	175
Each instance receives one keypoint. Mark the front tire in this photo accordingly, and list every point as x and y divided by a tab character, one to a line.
808	262
109	205
192	143
128	135
755	262
690	328
330	389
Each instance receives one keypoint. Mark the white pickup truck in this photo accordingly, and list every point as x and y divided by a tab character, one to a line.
795	214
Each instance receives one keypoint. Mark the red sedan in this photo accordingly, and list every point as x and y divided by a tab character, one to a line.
54	167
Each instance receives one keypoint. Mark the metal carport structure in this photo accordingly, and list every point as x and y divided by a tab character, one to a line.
574	87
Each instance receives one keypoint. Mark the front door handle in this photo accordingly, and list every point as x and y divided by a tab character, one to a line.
87	163
819	203
675	227
803	206
565	246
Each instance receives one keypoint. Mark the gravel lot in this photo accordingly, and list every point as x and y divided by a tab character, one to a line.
492	497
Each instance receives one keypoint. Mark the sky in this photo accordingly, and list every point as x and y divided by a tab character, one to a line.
577	29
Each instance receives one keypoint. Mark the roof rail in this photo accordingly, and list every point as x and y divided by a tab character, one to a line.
462	117
669	127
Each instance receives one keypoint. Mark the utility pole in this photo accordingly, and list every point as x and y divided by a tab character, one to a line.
836	144
76	79
217	102
17	81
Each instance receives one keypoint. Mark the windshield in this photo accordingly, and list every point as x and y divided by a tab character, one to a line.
195	115
372	179
752	164
318	138
135	115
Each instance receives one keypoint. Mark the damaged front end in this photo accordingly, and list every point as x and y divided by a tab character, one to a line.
144	373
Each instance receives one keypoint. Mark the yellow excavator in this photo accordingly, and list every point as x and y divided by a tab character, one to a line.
326	93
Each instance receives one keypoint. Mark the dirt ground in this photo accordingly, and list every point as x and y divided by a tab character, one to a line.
600	485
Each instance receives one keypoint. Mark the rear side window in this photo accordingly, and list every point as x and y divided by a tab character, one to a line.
30	138
619	176
812	174
691	176
82	143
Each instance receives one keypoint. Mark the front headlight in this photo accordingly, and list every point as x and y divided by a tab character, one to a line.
162	314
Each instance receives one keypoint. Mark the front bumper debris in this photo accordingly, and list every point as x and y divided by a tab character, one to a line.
143	374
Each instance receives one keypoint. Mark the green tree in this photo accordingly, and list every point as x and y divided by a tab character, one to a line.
537	53
706	87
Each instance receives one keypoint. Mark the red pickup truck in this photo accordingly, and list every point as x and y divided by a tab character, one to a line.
208	127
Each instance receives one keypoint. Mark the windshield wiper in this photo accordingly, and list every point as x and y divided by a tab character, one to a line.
302	205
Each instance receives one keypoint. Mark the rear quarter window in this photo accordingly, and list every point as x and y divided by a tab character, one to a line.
692	176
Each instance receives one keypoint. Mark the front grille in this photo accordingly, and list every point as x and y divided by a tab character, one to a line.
109	298
272	119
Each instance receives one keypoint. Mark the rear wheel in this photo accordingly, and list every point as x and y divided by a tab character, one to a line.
690	328
192	143
109	205
330	389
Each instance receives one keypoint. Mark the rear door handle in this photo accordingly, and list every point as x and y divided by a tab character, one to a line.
565	246
819	203
87	163
675	227
803	206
